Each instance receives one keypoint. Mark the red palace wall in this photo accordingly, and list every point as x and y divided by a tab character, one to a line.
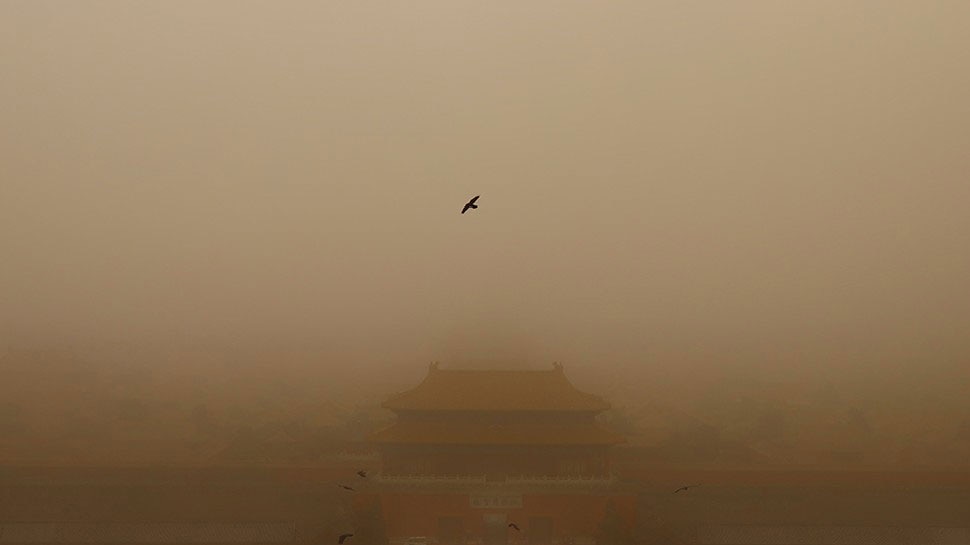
572	515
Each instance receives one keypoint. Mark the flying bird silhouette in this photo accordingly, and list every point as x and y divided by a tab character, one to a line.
345	487
513	526
362	473
470	204
343	537
686	488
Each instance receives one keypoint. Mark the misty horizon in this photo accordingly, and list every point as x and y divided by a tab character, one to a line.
675	196
784	177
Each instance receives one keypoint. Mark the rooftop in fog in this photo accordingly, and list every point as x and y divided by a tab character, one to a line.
495	390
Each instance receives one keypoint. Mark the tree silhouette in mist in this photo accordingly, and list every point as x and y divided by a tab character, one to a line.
612	529
858	422
369	528
11	418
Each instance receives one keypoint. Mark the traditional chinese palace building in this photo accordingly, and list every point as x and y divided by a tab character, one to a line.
473	451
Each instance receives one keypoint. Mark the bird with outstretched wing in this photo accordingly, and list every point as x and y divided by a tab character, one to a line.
470	204
343	537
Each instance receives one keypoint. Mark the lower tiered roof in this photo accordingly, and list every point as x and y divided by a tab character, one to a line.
421	432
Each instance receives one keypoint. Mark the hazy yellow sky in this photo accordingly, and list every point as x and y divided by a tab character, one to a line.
786	181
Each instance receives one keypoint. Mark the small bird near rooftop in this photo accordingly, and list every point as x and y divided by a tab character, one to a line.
686	488
343	537
345	487
513	526
362	473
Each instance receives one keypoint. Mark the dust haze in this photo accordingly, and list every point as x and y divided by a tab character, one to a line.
219	214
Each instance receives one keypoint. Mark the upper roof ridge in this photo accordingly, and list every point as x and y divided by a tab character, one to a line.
496	390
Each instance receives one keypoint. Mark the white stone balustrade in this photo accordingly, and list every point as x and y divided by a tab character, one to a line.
568	480
516	480
430	479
